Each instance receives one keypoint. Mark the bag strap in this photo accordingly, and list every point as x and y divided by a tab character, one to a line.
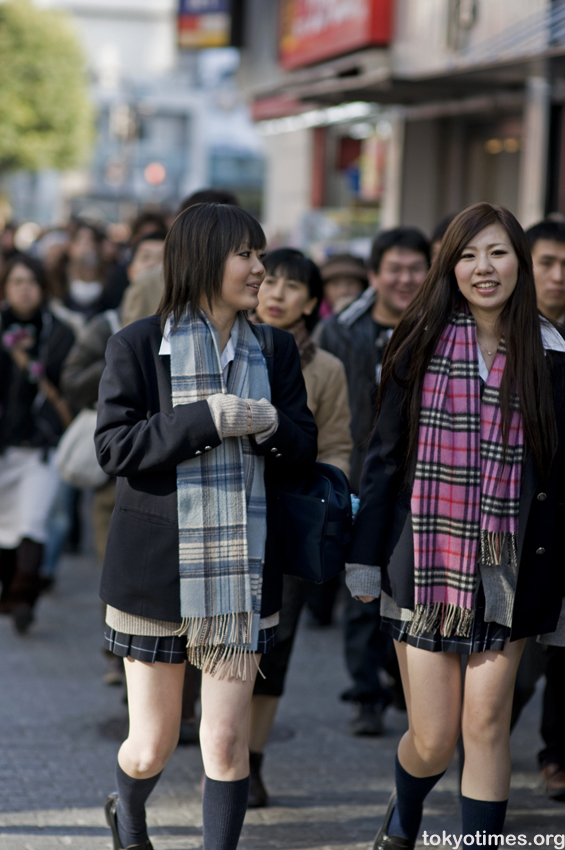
264	334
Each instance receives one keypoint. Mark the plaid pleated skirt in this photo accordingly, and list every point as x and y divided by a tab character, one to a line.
170	649
484	636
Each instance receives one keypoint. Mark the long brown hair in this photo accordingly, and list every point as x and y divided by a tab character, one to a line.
526	373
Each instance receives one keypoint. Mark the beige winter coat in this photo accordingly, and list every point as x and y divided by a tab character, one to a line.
326	386
142	297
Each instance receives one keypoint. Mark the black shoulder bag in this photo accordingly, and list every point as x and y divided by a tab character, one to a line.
315	512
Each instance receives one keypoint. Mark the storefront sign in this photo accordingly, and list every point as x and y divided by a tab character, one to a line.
314	30
204	23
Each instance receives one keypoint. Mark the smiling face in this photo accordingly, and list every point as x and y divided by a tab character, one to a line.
487	272
283	301
243	275
401	273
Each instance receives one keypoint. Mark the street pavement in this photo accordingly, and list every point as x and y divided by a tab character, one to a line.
60	729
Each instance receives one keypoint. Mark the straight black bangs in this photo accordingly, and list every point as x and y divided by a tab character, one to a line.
238	229
289	263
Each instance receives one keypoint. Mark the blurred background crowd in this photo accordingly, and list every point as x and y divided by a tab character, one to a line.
354	131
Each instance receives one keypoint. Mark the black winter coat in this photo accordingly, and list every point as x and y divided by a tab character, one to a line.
359	342
141	438
27	418
383	534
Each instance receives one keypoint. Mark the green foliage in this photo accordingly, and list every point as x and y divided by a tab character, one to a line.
45	112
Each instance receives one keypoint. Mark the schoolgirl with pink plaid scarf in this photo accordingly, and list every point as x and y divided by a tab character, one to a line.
460	529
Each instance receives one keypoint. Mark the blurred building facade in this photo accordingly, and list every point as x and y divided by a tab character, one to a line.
405	110
168	121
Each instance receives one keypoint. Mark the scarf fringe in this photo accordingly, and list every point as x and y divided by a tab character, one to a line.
222	628
448	619
225	662
492	547
220	645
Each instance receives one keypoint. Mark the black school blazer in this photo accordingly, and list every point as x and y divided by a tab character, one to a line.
141	439
383	534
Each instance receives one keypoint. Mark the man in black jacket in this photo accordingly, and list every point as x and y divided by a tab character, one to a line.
399	262
547	243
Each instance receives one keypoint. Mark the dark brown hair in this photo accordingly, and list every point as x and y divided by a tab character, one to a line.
526	372
33	265
196	250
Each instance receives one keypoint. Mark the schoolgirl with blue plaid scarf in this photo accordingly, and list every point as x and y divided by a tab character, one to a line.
197	434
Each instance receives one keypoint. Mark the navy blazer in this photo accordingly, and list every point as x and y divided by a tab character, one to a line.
383	533
141	438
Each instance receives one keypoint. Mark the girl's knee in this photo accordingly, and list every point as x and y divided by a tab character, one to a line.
223	744
485	726
436	747
148	758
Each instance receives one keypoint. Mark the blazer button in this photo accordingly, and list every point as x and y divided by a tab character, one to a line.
198	453
542	497
274	451
279	455
540	551
207	448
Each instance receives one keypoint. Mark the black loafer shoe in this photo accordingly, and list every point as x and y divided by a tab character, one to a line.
383	841
112	821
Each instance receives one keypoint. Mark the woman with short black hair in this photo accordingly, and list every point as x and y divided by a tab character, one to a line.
197	436
460	519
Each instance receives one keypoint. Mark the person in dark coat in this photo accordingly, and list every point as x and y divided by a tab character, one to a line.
33	415
399	262
460	528
547	244
197	435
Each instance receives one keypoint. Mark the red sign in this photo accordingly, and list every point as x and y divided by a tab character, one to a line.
204	23
314	30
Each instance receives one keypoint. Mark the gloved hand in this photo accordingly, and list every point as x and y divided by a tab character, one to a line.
238	417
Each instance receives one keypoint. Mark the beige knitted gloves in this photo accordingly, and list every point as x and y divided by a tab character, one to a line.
238	417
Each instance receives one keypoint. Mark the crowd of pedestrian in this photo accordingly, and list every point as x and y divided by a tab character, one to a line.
157	326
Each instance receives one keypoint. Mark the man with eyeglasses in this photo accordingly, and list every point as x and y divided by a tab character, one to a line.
398	265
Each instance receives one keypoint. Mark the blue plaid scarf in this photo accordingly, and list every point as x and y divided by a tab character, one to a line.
221	504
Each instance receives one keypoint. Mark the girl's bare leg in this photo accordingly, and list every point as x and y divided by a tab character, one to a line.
432	687
487	706
224	728
154	704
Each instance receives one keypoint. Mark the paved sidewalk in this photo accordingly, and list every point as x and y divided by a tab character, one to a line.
61	729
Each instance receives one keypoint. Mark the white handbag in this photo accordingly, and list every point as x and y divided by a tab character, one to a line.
76	456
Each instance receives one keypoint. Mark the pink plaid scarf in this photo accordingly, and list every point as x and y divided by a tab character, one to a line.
466	494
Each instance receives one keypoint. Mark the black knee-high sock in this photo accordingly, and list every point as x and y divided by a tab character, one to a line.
223	810
482	816
410	795
132	794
